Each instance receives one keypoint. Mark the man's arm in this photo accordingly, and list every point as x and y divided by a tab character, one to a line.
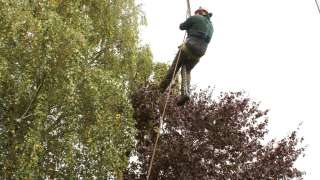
186	24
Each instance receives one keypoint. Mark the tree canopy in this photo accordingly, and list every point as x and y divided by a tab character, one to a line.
66	69
209	138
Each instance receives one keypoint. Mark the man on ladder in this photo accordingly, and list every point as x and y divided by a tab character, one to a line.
199	29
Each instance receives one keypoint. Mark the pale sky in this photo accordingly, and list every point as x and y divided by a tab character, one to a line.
268	48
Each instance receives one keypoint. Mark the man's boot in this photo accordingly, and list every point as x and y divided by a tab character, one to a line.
163	86
182	100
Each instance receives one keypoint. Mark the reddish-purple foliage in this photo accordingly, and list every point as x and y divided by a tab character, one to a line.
209	139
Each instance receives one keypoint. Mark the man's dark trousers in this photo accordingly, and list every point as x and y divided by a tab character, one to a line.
187	58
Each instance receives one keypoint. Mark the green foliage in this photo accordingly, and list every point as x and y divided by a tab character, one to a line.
144	65
159	70
66	70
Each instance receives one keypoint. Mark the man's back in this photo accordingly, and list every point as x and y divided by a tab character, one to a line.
198	26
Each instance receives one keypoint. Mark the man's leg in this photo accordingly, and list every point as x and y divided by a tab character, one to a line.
184	97
185	80
167	80
188	79
189	65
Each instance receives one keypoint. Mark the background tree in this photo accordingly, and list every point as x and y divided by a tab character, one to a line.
66	70
209	138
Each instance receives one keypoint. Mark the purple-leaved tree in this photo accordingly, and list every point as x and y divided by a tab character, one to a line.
220	138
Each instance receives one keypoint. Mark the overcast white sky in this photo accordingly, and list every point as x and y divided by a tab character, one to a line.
268	48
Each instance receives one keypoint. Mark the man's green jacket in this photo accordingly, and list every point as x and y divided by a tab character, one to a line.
198	26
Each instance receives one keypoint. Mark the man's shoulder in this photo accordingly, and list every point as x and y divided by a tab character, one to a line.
198	18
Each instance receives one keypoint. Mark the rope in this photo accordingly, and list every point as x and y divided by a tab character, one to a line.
163	113
189	9
167	100
318	6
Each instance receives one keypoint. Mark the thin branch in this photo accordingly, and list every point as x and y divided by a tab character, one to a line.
97	55
56	123
24	115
